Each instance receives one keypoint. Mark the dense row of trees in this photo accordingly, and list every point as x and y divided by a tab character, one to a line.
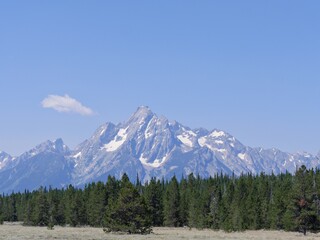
285	201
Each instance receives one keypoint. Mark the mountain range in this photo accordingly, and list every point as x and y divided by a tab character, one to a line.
146	145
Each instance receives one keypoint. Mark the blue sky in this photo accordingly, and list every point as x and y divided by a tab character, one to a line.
251	68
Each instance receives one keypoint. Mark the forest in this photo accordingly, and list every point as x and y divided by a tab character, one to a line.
250	202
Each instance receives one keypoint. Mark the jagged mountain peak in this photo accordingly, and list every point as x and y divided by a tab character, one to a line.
44	165
141	115
143	109
5	158
59	146
201	131
150	146
103	131
4	154
217	133
56	146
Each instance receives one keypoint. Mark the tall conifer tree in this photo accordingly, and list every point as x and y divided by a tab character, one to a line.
171	204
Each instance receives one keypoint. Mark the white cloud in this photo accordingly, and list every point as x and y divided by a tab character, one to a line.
65	104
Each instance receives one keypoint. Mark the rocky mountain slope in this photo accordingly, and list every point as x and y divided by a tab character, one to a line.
146	145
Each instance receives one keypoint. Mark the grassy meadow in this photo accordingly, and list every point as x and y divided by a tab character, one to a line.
9	231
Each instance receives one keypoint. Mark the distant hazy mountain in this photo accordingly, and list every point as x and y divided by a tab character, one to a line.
5	160
146	145
47	164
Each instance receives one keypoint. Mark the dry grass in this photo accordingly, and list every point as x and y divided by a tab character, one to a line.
11	231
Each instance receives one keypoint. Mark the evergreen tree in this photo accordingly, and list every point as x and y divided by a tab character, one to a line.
193	201
61	209
215	199
280	201
20	202
96	204
129	213
171	204
184	203
263	200
1	211
112	188
225	212
10	208
285	201
153	197
204	204
53	207
79	209
238	211
75	207
303	197
41	210
28	212
251	218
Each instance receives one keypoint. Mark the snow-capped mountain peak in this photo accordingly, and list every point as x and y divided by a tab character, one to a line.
141	115
147	145
56	146
5	158
154	146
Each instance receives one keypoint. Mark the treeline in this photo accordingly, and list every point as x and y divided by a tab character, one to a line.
285	201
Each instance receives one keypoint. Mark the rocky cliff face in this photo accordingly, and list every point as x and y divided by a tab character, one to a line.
146	145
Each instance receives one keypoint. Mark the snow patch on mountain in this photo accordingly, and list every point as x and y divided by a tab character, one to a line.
242	156
118	140
185	140
216	134
202	141
148	133
146	145
4	159
77	155
155	164
102	131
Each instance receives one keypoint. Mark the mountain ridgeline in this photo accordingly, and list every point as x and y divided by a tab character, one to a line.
147	146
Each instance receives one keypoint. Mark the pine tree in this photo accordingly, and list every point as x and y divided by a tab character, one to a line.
225	212
251	217
76	212
28	212
171	204
184	203
129	213
204	204
96	204
303	205
280	201
263	201
193	201
153	197
41	210
10	208
78	209
53	207
60	216
214	204
285	201
1	211
20	202
238	211
112	188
